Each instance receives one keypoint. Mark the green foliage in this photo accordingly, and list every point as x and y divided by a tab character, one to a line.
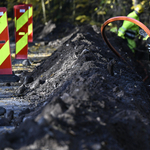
78	11
83	18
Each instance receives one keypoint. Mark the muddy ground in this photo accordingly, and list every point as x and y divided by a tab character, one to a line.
82	97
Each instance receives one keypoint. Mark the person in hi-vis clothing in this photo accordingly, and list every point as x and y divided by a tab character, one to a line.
129	30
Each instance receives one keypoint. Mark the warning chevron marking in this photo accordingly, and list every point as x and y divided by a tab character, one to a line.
21	43
3	22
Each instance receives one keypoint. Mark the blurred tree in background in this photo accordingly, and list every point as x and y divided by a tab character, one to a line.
79	11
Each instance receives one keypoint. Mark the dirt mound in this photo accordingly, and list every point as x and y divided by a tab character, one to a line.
84	98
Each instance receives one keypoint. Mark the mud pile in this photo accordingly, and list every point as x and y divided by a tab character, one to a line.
83	97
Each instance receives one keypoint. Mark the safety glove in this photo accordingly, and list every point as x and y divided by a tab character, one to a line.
130	34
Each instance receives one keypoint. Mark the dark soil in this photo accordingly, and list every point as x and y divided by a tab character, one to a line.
84	97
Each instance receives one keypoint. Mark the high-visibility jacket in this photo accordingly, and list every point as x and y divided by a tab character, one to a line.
129	26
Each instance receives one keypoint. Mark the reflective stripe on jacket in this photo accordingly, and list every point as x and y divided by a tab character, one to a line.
127	25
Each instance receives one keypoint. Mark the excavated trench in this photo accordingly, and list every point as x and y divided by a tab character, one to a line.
82	97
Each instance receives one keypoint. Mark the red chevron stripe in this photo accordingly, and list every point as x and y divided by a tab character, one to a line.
1	45
22	54
18	7
24	28
30	20
3	9
5	67
6	63
4	36
30	36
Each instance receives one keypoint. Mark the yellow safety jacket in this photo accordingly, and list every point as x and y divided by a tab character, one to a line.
129	26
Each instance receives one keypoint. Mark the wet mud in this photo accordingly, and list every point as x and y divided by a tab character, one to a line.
82	97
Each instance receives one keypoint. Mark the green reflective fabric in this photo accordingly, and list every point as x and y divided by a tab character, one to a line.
131	25
127	25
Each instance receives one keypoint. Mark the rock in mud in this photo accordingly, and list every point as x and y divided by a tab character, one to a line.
110	66
67	98
23	112
9	115
26	63
8	84
35	84
52	111
41	81
21	89
57	108
2	111
28	79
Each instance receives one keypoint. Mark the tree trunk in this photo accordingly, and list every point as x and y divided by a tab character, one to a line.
43	8
74	10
